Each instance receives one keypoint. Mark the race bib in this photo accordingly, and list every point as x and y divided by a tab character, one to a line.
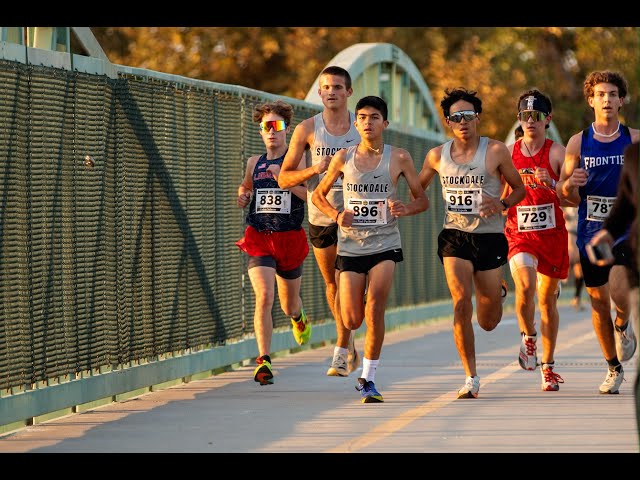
337	185
273	200
465	201
368	212
533	218
598	208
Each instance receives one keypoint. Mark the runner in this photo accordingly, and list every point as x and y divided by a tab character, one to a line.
274	238
472	245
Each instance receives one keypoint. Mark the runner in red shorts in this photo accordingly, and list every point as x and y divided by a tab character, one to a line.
274	238
537	236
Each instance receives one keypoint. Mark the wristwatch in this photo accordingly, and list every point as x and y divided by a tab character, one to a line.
504	204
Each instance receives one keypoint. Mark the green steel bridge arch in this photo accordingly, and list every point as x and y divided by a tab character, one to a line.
384	70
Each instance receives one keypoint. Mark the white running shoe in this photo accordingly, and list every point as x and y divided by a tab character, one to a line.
625	342
528	359
338	366
612	381
550	379
470	388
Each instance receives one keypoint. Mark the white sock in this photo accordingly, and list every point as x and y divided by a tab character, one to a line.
340	350
369	369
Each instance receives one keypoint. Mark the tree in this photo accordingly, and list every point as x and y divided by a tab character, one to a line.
499	62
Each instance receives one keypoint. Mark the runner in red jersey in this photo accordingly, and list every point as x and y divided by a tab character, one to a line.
537	235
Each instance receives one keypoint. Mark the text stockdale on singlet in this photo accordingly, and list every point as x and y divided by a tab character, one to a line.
368	187
598	161
463	180
324	151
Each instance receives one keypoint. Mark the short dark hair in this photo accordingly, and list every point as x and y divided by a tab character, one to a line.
375	102
518	132
278	107
339	72
451	96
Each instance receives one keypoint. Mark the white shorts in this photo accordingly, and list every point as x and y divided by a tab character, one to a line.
523	260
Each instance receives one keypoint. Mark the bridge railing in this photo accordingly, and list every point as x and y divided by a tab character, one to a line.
119	271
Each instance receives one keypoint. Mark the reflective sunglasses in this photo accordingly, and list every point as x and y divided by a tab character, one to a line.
276	125
534	115
457	117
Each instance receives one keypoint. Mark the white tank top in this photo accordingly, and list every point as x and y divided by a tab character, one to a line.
326	144
462	189
374	229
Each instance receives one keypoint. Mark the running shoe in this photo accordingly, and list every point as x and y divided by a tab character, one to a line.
625	342
263	373
612	381
550	379
505	290
470	388
353	358
368	391
338	366
301	328
527	358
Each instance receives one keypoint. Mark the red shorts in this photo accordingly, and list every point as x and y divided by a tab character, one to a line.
288	249
552	252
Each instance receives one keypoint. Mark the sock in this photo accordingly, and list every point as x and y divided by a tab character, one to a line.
621	328
579	284
297	319
369	369
549	364
339	350
614	364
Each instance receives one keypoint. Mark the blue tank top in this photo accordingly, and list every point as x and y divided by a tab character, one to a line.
603	162
273	208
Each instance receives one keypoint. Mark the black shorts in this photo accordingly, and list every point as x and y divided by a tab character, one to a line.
486	251
364	263
323	237
595	276
267	261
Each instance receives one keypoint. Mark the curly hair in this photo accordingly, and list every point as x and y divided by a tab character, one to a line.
605	76
278	107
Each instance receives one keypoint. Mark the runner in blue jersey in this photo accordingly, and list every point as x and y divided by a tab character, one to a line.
589	180
623	222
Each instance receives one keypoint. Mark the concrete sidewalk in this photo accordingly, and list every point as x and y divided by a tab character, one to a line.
419	375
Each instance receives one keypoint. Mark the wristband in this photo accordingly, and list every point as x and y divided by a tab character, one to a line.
337	215
504	204
553	183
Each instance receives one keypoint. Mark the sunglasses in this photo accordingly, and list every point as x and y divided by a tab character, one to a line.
534	115
276	125
457	117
